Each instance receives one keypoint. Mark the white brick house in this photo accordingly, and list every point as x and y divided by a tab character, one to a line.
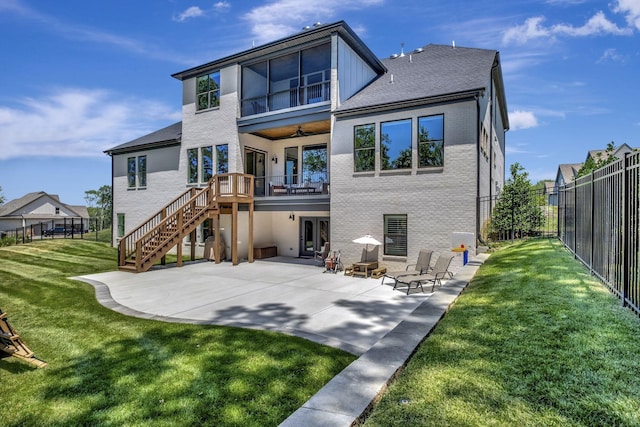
340	144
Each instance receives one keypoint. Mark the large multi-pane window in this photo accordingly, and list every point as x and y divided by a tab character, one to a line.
364	148
395	145
222	158
431	141
199	164
395	235
208	91
137	171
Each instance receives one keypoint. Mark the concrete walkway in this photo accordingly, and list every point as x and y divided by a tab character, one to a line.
362	316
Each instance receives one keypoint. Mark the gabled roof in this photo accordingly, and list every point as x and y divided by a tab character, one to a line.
312	34
15	205
170	135
618	152
568	171
436	71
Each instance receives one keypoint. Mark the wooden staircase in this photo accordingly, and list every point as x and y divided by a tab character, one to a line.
141	248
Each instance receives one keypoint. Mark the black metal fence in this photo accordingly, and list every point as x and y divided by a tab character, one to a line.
599	221
65	228
500	222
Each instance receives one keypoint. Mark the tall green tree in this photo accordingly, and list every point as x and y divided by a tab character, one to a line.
517	212
99	204
1	196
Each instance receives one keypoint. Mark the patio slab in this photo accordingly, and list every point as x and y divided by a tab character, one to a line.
362	316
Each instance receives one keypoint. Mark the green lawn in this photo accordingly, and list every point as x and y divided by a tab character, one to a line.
533	341
109	369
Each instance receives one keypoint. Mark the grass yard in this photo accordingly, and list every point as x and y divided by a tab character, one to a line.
533	341
109	369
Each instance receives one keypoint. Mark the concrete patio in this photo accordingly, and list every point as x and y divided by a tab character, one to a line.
362	316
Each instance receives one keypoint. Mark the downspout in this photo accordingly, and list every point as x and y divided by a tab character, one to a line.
491	130
113	227
479	238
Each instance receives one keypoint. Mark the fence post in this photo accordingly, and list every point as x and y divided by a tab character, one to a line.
592	214
626	241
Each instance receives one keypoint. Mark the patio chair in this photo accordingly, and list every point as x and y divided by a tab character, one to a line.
323	254
440	270
422	266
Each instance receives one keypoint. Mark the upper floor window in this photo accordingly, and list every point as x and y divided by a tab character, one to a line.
208	91
314	163
137	171
431	141
364	148
395	145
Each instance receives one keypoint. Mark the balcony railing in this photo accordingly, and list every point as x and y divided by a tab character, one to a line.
294	97
292	185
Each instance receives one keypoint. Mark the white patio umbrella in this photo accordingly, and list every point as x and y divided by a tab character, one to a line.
367	240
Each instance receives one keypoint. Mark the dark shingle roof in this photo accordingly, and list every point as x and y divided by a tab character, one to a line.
171	135
12	206
436	71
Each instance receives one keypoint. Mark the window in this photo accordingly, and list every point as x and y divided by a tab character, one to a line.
395	145
222	158
208	91
314	163
131	172
431	141
199	164
192	166
206	154
142	171
364	148
137	171
120	225
395	235
57	211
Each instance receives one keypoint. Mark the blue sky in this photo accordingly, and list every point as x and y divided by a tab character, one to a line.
78	77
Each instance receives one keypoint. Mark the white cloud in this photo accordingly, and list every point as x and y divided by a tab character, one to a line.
631	10
267	23
76	123
522	120
191	12
611	55
222	6
598	24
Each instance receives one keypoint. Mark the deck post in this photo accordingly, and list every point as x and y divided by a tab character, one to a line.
234	233
250	257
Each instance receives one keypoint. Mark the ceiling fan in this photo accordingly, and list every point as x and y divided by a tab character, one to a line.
299	133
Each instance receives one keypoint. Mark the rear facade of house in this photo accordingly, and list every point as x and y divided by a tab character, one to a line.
339	144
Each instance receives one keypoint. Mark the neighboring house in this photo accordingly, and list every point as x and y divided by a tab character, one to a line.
43	212
566	173
550	193
339	144
617	153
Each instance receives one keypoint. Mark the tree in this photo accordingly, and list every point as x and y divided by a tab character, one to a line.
99	205
516	212
594	164
1	196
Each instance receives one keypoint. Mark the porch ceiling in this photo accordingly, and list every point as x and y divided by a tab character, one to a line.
295	130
